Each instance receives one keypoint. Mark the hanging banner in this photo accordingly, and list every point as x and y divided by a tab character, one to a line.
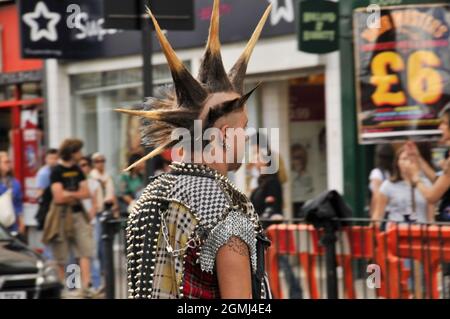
402	71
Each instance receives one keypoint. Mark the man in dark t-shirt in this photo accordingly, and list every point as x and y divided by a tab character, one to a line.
75	235
70	178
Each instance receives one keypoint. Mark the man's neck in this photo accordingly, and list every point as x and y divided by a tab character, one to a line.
68	163
222	168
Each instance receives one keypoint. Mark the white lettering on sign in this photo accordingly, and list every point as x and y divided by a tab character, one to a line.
280	12
86	28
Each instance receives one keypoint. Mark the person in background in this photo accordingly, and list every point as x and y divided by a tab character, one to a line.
302	182
439	191
92	207
406	204
91	204
267	199
383	170
268	186
400	193
107	185
162	164
43	174
132	182
67	229
253	172
44	193
8	182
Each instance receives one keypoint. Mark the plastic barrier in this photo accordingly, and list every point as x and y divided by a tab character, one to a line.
302	240
427	244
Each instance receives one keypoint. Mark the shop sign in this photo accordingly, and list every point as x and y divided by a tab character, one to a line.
76	29
318	27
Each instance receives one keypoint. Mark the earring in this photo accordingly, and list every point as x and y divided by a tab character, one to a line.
226	145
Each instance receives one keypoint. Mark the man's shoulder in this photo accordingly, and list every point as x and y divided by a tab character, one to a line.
44	170
57	169
203	196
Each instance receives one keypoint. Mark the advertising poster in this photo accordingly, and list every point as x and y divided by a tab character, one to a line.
402	71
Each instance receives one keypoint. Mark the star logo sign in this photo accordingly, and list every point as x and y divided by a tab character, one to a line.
49	32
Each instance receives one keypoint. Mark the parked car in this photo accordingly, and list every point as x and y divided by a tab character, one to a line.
25	274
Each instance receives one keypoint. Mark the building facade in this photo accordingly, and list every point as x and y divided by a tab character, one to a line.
299	96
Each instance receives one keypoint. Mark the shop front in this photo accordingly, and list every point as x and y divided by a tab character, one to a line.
22	112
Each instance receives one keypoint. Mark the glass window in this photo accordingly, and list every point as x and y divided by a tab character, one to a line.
308	171
94	98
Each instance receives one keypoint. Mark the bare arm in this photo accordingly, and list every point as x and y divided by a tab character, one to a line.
375	185
427	170
233	270
61	196
380	207
430	213
434	193
81	193
94	208
414	152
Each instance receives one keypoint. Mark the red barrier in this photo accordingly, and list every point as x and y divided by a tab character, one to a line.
429	245
303	241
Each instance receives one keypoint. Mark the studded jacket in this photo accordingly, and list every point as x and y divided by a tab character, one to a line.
178	225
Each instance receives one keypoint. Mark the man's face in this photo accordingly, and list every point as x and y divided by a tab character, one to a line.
84	165
99	163
51	159
444	128
5	164
77	156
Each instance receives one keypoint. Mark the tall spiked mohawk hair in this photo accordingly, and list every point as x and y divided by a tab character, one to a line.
184	104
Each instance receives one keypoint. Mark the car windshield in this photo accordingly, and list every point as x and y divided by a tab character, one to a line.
4	234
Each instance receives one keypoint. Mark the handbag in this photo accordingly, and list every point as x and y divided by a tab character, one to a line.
7	214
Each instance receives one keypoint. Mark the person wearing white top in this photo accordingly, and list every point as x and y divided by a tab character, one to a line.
406	203
107	184
382	172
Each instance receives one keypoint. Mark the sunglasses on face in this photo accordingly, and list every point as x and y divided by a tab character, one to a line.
84	165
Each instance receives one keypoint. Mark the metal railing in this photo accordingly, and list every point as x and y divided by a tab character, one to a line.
114	255
353	261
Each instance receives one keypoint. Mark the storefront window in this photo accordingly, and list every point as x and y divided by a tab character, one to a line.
94	98
308	139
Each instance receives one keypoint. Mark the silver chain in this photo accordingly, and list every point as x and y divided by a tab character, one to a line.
192	243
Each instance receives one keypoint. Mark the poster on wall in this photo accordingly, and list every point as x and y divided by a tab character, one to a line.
402	71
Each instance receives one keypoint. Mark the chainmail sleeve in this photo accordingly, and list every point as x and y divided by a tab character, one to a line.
235	224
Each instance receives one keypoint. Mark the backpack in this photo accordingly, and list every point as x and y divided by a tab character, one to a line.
44	206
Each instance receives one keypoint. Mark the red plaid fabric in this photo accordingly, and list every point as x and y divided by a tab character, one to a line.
198	284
